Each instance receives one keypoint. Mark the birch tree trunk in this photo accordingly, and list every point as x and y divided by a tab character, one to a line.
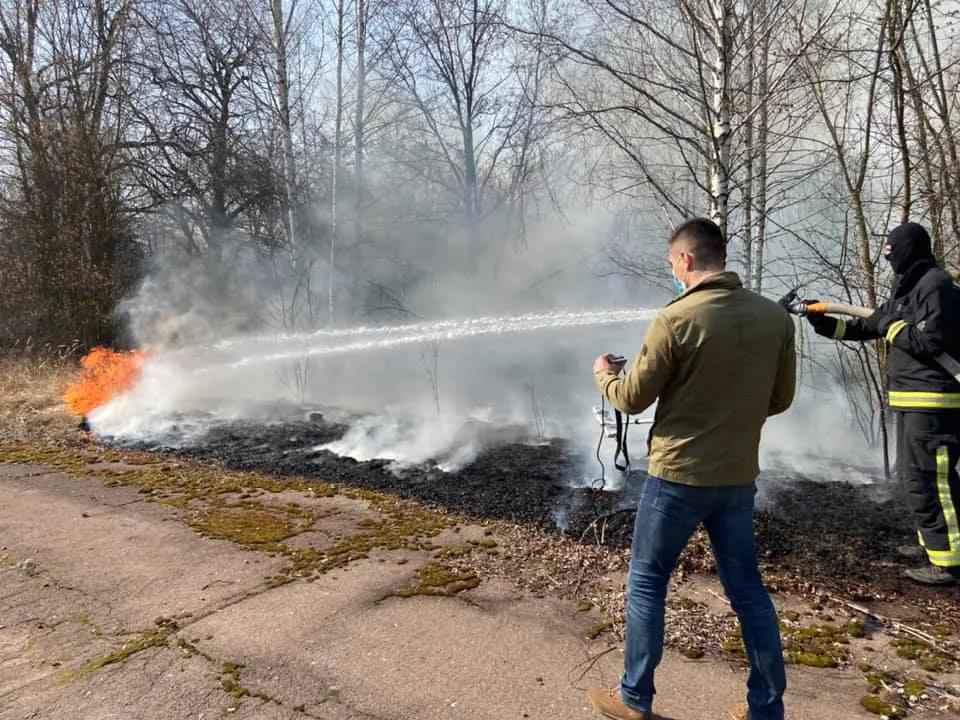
899	91
748	141
337	156
359	124
763	131
721	16
946	138
926	150
280	44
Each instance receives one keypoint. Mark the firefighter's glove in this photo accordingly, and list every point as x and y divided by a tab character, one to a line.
823	325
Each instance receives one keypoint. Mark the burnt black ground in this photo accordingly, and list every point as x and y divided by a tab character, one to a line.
822	532
513	482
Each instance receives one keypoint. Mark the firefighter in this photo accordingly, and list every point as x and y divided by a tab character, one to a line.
920	321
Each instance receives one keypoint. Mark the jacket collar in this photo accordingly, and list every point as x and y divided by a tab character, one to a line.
725	280
911	276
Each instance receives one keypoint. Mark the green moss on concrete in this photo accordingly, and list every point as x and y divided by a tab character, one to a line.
599	629
856	629
942	630
910	649
815	660
877	680
818	646
914	688
404	526
873	704
152	639
246	526
205	490
924	655
230	680
438	579
154	474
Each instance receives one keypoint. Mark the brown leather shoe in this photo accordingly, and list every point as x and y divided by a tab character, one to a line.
608	703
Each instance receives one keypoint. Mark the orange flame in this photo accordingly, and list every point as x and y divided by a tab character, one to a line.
106	373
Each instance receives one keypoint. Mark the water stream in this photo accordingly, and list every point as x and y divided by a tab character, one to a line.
266	349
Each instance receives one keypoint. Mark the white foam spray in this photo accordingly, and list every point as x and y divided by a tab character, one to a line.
318	344
498	379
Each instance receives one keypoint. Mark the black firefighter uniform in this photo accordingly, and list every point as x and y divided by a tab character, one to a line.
919	322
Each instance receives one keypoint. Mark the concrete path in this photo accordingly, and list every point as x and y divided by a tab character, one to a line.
111	607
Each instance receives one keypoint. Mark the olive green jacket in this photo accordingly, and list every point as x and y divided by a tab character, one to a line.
720	359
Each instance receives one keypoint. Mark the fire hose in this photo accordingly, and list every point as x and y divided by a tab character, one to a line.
796	306
622	422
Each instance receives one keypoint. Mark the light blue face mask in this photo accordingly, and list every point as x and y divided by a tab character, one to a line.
678	285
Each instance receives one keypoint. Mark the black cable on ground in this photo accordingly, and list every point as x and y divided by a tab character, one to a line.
622	428
603	432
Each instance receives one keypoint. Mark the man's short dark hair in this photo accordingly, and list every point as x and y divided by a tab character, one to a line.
706	240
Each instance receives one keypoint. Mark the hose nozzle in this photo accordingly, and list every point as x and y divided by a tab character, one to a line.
793	304
798	306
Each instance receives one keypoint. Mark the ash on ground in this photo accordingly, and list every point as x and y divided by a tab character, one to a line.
820	531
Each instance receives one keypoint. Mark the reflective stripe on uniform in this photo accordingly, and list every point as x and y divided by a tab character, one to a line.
951	557
943	558
841	330
924	400
895	329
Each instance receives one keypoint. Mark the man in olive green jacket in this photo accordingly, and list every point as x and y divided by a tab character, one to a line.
720	360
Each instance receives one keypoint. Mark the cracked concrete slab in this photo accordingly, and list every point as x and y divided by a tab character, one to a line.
486	654
136	558
44	630
157	683
105	565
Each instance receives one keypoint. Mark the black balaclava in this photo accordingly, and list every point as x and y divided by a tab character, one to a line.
906	244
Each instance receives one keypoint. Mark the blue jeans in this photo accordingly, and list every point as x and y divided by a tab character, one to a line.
667	515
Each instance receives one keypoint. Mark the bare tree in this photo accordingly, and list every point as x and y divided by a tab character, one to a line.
282	22
932	85
66	97
447	64
206	158
341	11
679	89
363	12
853	155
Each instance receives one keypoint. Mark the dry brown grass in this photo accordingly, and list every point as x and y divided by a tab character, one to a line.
31	397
